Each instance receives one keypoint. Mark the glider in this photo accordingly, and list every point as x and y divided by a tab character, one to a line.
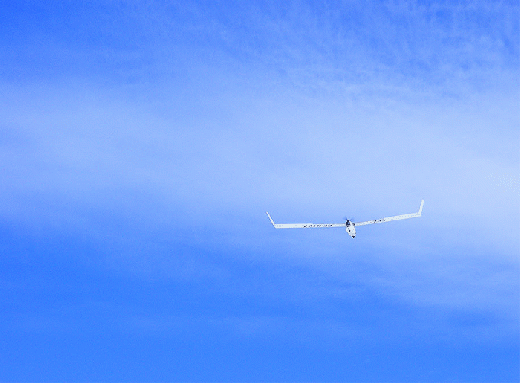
349	225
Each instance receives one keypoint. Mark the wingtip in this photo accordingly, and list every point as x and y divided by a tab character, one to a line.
270	219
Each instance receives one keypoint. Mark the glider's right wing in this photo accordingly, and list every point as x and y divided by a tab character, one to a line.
302	225
394	218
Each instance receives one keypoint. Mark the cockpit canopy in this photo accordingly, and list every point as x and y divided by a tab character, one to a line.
351	228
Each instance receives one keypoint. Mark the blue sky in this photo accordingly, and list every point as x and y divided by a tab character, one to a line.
142	142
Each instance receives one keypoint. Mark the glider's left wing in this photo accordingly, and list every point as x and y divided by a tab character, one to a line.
302	225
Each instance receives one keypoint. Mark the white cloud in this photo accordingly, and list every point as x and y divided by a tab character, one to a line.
314	117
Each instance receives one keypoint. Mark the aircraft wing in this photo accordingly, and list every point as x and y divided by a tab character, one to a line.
302	225
394	218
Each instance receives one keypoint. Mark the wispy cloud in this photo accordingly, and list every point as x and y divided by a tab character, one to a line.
159	134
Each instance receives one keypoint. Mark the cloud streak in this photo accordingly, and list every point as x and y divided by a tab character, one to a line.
162	148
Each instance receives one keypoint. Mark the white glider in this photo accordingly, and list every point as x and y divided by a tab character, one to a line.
350	226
